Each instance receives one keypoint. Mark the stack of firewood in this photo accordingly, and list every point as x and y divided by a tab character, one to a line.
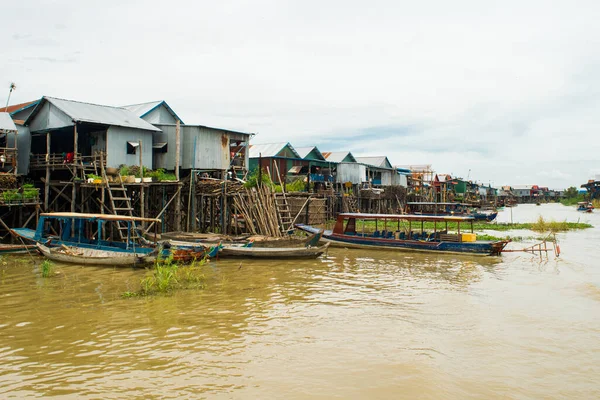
209	187
257	206
8	181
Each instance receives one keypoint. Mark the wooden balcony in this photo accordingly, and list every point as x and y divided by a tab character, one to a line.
56	161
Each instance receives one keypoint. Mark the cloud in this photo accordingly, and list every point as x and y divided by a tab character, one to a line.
464	85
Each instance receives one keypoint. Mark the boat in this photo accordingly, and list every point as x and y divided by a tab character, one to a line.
287	248
273	252
585	206
398	234
446	208
89	256
188	251
87	231
16	248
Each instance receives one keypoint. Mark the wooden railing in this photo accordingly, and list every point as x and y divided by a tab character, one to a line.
60	160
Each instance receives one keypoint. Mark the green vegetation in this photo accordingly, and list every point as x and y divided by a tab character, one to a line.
11	195
296	186
93	176
572	197
47	268
124	170
30	191
541	225
159	175
252	180
167	276
596	203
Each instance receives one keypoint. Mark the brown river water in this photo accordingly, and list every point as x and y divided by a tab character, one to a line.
353	324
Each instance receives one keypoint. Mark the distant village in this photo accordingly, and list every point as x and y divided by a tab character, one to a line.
59	151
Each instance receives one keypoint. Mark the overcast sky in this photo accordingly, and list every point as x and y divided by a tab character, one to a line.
506	92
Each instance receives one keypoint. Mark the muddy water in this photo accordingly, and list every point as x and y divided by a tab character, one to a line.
351	325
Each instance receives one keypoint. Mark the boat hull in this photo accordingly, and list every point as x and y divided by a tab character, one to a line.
273	253
483	248
86	256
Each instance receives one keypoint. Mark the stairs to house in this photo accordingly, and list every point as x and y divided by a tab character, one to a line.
284	213
351	204
120	204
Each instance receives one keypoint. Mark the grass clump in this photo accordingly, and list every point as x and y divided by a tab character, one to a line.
168	276
541	225
47	268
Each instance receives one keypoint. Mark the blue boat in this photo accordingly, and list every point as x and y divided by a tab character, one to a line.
397	234
87	231
585	206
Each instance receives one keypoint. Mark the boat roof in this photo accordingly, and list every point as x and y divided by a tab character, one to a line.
431	203
105	217
409	217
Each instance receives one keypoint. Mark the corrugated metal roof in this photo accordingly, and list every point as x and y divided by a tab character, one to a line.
97	114
269	149
6	123
143	109
19	107
337	156
416	168
305	151
379	161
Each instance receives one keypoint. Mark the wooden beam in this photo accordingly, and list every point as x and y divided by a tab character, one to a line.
47	183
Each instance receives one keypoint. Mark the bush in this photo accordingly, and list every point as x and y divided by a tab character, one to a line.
253	179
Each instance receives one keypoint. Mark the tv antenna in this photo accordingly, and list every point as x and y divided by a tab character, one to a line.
12	87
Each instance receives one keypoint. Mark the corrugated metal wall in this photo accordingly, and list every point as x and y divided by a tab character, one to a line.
116	146
49	117
23	148
201	147
350	172
160	115
386	178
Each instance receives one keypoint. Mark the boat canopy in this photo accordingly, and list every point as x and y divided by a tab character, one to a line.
105	217
409	217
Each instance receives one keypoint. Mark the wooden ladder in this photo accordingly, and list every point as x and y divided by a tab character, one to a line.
284	213
120	204
286	221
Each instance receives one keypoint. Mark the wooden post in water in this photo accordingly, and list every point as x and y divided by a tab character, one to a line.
177	156
74	189
142	211
47	183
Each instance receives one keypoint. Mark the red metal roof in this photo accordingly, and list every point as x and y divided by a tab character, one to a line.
16	107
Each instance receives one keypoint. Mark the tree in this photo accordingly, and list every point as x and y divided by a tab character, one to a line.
571	192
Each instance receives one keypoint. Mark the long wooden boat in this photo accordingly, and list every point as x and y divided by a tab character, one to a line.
398	234
16	248
273	252
88	256
87	231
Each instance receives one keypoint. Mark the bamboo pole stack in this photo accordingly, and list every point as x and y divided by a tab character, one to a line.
257	205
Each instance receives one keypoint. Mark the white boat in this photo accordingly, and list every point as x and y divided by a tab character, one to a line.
87	256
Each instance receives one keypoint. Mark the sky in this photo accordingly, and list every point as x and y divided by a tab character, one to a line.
504	93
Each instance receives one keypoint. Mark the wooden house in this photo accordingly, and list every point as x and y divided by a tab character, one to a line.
66	133
275	158
379	170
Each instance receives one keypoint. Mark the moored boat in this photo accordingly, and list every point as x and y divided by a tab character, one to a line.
89	256
397	234
88	231
585	206
16	248
273	252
